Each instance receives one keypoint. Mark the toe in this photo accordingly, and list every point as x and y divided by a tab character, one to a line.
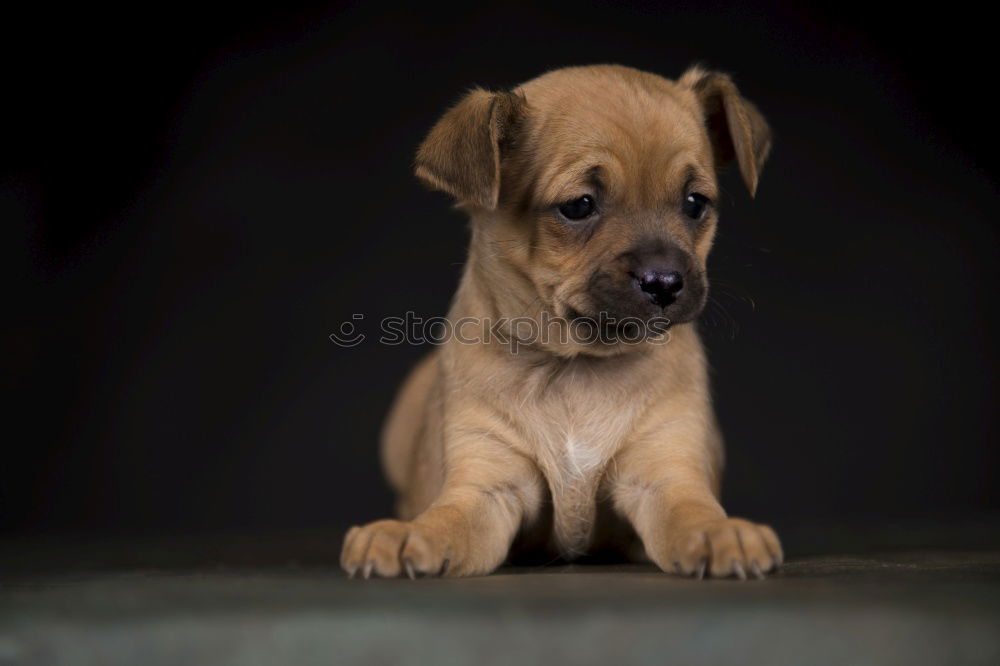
726	550
755	550
425	555
383	553
352	557
772	544
690	556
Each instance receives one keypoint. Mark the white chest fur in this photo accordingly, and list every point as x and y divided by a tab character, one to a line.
582	457
573	444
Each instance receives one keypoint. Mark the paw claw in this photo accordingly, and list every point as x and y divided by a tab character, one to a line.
410	572
738	570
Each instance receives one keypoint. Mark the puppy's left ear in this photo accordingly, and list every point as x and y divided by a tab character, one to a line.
735	127
461	154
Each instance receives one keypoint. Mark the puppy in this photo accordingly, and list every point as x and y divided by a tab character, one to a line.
591	193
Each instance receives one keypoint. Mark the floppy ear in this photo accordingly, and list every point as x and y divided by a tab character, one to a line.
735	127
461	154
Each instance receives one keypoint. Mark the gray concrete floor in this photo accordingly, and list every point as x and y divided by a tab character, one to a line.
251	601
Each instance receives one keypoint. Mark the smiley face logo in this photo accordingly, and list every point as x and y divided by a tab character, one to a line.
348	335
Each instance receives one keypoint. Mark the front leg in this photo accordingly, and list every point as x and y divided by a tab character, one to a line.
666	485
490	490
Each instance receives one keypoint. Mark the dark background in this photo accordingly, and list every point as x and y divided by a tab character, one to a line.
193	198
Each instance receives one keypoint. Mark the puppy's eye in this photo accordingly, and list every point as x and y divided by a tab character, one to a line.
577	209
695	205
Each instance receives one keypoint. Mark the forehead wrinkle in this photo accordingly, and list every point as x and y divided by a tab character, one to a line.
672	179
558	178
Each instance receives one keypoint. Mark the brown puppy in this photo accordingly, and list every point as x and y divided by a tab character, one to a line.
570	414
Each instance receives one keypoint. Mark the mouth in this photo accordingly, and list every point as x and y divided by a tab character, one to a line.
608	328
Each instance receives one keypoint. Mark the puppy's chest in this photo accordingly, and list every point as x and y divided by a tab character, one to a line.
575	443
573	440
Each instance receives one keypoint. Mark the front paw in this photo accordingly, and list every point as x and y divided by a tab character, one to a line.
390	548
720	548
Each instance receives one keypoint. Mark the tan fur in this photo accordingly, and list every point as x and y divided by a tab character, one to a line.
484	445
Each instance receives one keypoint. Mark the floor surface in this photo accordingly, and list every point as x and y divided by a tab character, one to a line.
167	602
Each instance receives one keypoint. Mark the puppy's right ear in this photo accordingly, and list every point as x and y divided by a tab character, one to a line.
461	154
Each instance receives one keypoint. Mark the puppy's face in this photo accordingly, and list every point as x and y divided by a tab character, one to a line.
595	186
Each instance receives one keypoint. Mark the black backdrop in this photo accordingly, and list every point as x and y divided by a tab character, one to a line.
194	198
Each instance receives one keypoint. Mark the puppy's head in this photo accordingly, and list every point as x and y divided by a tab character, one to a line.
593	189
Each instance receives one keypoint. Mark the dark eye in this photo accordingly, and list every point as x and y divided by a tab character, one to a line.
695	206
577	209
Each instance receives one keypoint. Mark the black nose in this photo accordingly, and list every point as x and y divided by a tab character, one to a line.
661	287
